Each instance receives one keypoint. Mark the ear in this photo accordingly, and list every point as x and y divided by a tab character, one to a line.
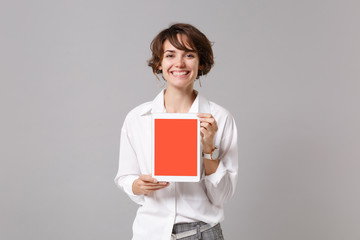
160	68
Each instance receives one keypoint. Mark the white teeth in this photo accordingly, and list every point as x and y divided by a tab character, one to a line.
179	73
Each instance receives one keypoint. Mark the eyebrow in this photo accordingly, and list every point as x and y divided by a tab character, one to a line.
172	51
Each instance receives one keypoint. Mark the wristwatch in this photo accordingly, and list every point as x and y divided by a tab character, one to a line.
213	155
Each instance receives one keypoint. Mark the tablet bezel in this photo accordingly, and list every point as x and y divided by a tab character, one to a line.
163	178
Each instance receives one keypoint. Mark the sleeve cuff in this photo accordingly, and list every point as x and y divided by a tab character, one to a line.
128	189
216	177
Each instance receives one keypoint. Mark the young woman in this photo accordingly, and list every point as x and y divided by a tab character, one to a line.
181	54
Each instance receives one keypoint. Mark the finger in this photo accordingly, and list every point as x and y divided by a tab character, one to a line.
201	133
163	183
148	178
205	125
204	131
149	191
206	135
155	187
204	115
155	184
209	120
208	128
213	124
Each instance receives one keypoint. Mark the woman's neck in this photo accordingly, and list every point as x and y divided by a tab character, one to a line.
178	101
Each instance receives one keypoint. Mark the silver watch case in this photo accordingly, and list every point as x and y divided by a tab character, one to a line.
213	156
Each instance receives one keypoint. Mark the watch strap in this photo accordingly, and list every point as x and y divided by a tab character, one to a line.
209	155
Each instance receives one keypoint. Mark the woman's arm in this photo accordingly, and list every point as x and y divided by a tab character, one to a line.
208	129
128	170
146	184
221	175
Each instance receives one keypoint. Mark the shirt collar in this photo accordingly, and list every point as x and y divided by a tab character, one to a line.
200	104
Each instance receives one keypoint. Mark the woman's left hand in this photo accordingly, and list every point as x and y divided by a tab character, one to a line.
208	128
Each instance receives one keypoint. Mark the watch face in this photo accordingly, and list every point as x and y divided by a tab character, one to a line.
215	154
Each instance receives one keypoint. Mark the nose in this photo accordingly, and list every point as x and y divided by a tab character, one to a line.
180	62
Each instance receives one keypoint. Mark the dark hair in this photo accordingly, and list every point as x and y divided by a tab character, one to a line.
195	39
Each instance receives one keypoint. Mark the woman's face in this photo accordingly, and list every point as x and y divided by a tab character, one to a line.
179	68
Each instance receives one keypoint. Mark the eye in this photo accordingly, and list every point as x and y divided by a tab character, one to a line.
190	55
169	55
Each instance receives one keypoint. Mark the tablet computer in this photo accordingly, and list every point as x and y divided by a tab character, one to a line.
176	147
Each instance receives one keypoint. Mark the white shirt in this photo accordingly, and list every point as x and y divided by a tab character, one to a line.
179	202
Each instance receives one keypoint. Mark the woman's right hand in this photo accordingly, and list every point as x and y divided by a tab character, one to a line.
146	184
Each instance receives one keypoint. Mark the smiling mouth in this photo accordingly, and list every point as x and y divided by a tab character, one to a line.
182	73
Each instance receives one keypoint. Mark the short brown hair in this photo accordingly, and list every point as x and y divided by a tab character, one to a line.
195	39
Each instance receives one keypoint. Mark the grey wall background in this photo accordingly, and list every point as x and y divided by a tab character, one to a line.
287	70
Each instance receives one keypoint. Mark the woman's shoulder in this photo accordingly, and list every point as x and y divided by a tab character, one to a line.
218	110
137	111
140	109
223	117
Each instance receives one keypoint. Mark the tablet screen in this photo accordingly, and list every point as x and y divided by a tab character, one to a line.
176	147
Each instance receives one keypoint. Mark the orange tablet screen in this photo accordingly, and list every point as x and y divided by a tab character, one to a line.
175	147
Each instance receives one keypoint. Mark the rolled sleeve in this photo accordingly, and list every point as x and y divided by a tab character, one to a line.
125	183
216	177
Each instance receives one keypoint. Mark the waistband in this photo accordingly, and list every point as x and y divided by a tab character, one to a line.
183	230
